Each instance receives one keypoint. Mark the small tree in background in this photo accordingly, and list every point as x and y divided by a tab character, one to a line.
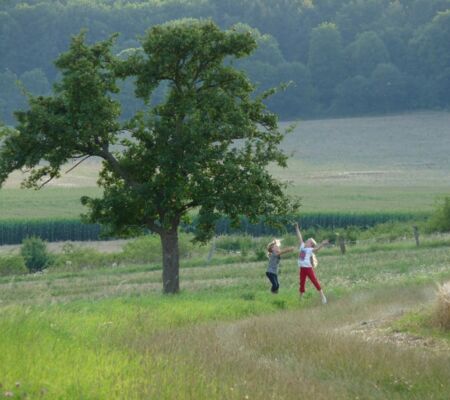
34	252
205	147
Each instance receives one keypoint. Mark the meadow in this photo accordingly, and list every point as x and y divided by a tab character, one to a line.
95	325
108	332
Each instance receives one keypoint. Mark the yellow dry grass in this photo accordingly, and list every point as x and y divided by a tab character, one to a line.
442	310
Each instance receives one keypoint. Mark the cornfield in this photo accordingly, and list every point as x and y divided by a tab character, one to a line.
14	231
308	221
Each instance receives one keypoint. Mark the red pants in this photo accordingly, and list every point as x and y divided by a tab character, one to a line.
308	272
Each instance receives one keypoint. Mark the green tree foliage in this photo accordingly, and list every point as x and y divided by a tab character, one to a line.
432	46
365	53
410	34
351	96
387	87
325	60
205	146
358	16
268	68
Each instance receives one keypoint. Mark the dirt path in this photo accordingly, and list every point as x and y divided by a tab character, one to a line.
381	330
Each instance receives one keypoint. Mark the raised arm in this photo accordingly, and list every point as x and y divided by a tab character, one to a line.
287	250
298	233
320	246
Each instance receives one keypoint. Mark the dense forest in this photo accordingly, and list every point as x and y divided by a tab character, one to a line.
342	57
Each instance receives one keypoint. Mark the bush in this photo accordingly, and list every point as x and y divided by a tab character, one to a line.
12	265
35	253
261	255
440	220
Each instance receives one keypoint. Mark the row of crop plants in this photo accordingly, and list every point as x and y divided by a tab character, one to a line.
14	231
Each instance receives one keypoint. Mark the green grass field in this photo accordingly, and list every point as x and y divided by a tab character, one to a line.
108	333
391	163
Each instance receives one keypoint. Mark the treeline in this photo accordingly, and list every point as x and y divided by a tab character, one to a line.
15	231
344	57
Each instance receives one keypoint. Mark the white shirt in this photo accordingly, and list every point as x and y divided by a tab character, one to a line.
304	256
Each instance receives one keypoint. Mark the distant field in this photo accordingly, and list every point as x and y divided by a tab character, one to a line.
51	202
392	163
396	163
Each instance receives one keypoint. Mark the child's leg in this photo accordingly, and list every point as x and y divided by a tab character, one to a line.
273	280
312	276
277	284
303	274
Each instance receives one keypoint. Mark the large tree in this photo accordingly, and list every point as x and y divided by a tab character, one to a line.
205	147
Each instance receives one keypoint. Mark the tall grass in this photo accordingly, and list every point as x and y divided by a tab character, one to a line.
154	347
442	309
108	333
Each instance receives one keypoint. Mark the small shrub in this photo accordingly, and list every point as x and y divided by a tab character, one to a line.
352	234
12	265
145	249
261	254
35	253
442	310
440	220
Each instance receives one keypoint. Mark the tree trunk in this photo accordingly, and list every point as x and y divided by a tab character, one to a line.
171	262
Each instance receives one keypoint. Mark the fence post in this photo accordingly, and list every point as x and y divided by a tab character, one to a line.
416	235
341	241
342	244
212	250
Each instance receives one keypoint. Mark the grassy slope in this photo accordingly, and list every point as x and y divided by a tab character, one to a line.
393	163
110	334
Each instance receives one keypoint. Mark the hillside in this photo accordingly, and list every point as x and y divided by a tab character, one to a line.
344	57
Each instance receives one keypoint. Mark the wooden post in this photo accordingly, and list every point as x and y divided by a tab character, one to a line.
416	235
212	250
341	244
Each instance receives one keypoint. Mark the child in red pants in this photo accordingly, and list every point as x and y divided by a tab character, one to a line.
307	261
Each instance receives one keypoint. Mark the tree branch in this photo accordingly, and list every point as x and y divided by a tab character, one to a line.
115	165
78	163
44	183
